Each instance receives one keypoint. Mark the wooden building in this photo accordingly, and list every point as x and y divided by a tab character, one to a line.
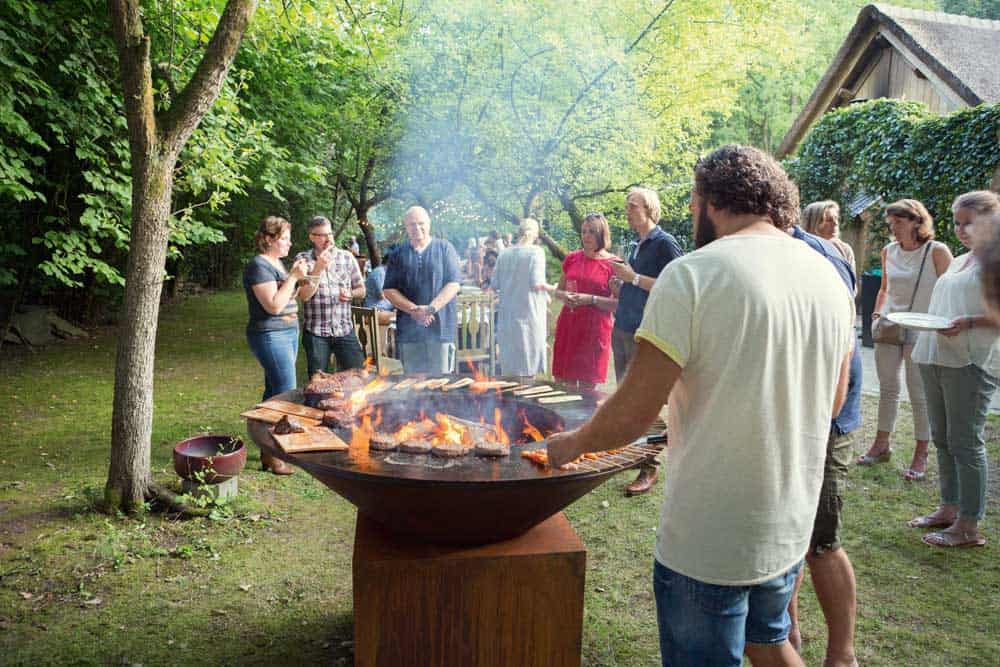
944	60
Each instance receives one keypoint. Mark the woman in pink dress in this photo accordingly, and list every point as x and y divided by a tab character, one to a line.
583	330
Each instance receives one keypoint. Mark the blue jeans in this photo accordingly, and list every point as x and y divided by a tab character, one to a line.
706	624
957	402
346	349
428	356
276	351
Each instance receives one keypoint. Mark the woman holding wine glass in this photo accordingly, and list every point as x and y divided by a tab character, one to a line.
583	331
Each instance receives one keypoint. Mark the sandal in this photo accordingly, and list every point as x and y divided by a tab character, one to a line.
911	475
869	459
930	521
949	539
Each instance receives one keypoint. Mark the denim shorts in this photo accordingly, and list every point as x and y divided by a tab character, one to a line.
707	624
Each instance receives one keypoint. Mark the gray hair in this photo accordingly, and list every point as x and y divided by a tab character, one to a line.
318	221
650	200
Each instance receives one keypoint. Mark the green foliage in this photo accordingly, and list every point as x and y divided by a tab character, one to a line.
984	9
900	150
782	74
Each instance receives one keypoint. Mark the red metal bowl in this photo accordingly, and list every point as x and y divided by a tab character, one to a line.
210	458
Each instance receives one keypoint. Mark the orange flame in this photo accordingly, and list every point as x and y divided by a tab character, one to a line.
498	425
448	432
532	432
359	399
362	435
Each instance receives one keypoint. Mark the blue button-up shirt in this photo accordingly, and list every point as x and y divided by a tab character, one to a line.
419	276
849	417
646	257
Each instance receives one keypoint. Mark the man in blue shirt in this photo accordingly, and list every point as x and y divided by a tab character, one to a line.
422	281
647	256
829	566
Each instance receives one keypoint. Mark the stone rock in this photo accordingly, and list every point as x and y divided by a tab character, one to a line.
33	326
64	329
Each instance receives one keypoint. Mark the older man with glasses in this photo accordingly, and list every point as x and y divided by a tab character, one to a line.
334	281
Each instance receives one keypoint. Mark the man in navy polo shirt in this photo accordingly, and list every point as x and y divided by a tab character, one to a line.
830	568
421	281
646	258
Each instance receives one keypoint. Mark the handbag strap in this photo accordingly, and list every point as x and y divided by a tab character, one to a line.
913	297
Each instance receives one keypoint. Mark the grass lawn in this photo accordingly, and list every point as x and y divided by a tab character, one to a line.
268	580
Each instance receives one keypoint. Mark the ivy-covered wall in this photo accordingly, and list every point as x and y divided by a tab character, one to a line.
899	149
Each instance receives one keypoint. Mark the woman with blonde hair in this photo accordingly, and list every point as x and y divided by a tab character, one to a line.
822	219
960	367
522	316
910	266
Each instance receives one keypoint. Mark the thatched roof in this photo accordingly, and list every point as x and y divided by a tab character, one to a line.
959	51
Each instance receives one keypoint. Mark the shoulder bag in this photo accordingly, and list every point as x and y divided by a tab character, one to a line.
888	333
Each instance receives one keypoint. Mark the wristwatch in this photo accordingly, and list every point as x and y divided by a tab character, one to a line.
431	309
635	280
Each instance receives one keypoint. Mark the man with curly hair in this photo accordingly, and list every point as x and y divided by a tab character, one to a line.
750	337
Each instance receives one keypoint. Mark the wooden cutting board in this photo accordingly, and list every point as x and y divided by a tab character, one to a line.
274	416
292	409
315	439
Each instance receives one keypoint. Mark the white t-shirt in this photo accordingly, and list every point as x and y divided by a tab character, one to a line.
759	325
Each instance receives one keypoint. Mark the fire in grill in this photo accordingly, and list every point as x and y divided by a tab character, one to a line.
453	493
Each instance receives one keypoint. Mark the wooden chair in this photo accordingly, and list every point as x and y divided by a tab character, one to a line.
476	342
366	324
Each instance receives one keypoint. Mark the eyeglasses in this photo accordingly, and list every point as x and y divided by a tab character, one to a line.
328	234
594	215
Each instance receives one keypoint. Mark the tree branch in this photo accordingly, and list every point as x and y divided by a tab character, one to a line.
198	96
557	136
136	73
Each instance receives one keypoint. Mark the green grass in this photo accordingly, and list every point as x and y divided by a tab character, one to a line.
269	581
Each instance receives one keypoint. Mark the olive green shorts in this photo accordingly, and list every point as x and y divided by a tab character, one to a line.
826	528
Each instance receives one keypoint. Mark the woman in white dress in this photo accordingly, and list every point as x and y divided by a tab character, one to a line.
960	366
910	267
522	317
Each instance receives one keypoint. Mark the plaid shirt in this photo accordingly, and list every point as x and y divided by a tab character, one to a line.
325	314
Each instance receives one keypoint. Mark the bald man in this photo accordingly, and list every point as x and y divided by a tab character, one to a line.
421	281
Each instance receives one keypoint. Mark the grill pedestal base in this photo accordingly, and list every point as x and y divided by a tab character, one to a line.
517	602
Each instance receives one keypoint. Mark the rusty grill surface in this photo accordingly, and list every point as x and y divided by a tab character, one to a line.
467	499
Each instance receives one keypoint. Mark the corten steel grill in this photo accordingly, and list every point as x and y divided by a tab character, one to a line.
463	500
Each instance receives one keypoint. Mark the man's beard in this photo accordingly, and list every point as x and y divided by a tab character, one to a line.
705	232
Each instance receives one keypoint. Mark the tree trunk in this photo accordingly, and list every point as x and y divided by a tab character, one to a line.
154	142
374	255
129	474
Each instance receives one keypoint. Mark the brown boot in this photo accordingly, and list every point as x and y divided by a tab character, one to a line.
644	482
274	464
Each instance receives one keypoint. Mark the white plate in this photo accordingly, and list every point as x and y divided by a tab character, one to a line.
919	321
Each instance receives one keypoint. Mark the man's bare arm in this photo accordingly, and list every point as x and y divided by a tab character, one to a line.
397	299
444	297
627	413
840	396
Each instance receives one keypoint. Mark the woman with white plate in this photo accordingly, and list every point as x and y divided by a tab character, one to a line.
960	366
910	267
